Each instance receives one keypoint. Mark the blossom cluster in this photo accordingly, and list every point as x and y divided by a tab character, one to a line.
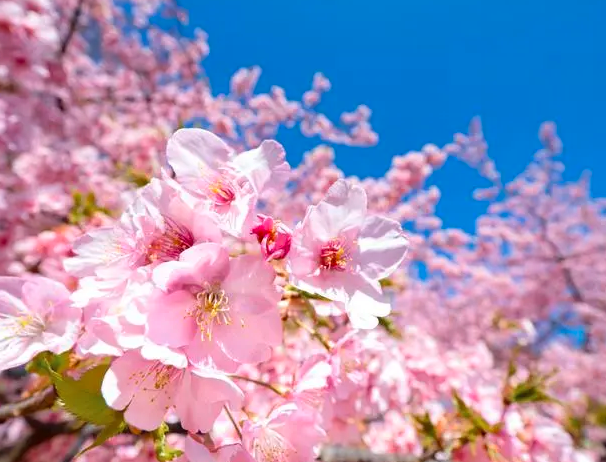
207	285
165	292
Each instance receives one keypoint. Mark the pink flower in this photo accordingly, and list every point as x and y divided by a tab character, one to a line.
197	452
274	236
229	183
289	434
341	253
310	386
222	310
36	315
161	223
148	388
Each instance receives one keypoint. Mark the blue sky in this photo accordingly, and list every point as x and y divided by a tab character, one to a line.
425	67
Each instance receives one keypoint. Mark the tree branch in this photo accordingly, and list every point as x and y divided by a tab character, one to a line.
42	400
73	25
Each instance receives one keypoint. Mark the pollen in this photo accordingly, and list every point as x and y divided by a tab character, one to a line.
334	256
218	188
169	244
272	447
211	308
222	192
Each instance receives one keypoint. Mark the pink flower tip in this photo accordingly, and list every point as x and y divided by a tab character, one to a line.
274	236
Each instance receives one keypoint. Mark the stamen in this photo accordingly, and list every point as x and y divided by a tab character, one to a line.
157	377
168	246
212	307
334	256
13	329
272	447
218	188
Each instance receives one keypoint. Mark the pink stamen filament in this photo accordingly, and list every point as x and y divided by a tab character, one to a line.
334	256
212	307
169	245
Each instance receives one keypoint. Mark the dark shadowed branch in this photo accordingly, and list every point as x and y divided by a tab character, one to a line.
42	400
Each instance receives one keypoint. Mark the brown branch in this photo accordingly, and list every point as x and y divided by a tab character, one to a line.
73	25
41	432
42	400
84	434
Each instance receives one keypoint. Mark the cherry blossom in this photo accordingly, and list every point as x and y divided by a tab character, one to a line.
148	388
36	315
340	253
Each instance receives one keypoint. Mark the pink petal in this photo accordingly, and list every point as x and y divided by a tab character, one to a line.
240	347
366	303
206	262
169	323
209	354
251	275
197	452
343	207
119	387
193	418
204	227
214	386
382	247
168	356
10	300
92	250
147	410
210	260
263	166
190	149
42	295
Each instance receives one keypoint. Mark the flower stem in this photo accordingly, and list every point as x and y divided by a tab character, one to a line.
314	333
233	421
258	382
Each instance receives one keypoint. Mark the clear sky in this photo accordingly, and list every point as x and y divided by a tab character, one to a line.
425	67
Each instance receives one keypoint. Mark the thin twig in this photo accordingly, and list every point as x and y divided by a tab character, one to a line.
314	333
83	435
233	421
73	25
42	400
258	382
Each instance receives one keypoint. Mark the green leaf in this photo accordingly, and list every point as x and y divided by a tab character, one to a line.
39	365
84	207
531	390
389	326
307	295
511	369
83	398
426	430
164	452
596	413
386	282
575	426
473	417
109	431
136	177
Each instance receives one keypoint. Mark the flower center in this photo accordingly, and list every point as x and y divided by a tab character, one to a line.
218	188
24	326
271	447
222	192
163	375
212	307
155	378
168	246
334	256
